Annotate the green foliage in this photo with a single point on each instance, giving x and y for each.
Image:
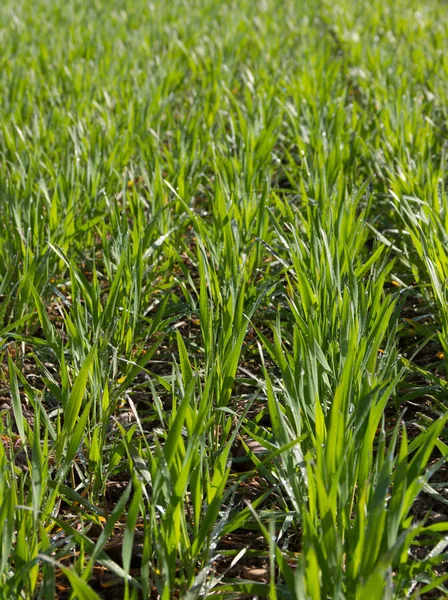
(225, 225)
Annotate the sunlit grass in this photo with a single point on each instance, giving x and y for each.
(223, 306)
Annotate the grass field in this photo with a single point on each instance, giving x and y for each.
(223, 299)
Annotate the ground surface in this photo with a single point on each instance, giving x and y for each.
(223, 302)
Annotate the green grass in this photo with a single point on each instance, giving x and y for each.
(223, 225)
